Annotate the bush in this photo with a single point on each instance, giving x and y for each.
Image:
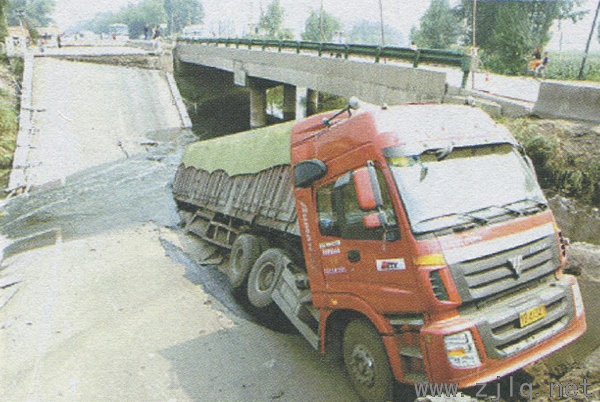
(559, 171)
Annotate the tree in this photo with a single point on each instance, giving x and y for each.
(146, 13)
(136, 16)
(34, 13)
(312, 27)
(270, 24)
(439, 27)
(369, 33)
(3, 9)
(513, 28)
(183, 12)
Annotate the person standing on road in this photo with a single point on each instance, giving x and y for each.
(156, 32)
(540, 69)
(537, 59)
(338, 39)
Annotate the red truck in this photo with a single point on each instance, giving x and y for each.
(413, 242)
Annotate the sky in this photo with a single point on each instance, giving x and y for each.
(401, 14)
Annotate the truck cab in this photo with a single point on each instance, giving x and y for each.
(430, 248)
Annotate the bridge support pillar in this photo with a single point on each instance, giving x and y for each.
(307, 102)
(300, 103)
(289, 102)
(258, 105)
(312, 102)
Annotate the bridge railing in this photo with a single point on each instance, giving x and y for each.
(415, 56)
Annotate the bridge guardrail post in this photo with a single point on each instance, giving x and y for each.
(466, 64)
(416, 58)
(377, 54)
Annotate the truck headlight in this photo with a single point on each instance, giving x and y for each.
(577, 299)
(461, 350)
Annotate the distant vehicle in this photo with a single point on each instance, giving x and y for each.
(118, 31)
(193, 31)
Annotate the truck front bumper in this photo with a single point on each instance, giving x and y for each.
(504, 337)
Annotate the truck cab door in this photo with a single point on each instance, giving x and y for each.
(359, 242)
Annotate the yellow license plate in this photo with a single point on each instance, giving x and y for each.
(532, 315)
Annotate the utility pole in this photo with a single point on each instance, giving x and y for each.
(321, 24)
(474, 52)
(382, 25)
(474, 23)
(587, 46)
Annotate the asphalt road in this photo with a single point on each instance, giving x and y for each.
(107, 305)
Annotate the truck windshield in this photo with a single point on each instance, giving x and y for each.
(459, 188)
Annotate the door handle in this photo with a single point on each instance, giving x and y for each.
(354, 256)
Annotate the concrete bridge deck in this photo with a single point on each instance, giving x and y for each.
(390, 81)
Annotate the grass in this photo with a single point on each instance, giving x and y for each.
(566, 66)
(565, 156)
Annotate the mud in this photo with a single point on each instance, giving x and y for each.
(580, 223)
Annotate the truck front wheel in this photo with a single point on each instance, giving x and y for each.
(264, 275)
(245, 251)
(367, 363)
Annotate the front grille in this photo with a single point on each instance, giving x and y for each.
(488, 269)
(501, 278)
(500, 327)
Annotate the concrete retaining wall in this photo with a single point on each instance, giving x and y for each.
(568, 101)
(373, 83)
(18, 174)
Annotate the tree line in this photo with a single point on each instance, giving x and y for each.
(27, 13)
(175, 14)
(505, 32)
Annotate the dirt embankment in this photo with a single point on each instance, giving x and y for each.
(566, 155)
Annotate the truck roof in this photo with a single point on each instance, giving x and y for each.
(418, 126)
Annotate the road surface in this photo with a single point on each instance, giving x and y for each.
(105, 305)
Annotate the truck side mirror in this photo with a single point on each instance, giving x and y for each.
(372, 221)
(309, 171)
(367, 188)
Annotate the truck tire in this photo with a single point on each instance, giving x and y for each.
(245, 251)
(264, 275)
(367, 363)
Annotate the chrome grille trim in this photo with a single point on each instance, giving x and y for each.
(499, 325)
(499, 271)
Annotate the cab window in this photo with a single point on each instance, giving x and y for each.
(339, 213)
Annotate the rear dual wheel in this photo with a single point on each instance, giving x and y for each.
(245, 251)
(264, 276)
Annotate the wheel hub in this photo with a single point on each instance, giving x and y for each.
(266, 277)
(363, 366)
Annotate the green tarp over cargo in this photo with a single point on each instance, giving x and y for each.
(242, 153)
